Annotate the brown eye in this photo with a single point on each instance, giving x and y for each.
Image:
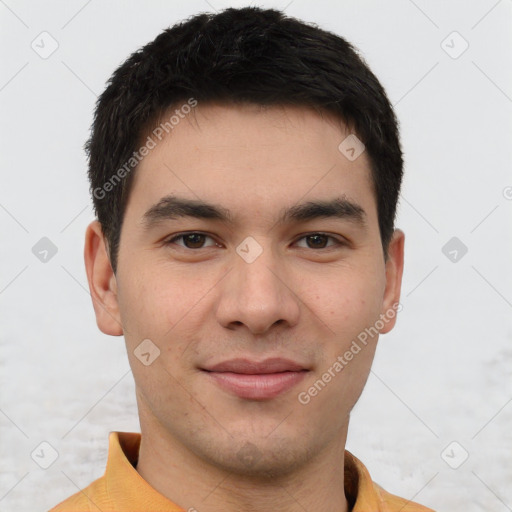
(317, 241)
(194, 240)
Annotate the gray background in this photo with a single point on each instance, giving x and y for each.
(441, 376)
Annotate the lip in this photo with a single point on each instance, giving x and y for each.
(248, 367)
(255, 380)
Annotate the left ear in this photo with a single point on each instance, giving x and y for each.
(394, 271)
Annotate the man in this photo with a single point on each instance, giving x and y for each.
(245, 169)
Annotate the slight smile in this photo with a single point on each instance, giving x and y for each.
(256, 380)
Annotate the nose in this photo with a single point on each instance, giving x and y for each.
(258, 295)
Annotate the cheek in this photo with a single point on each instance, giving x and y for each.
(348, 305)
(153, 302)
(140, 299)
(169, 309)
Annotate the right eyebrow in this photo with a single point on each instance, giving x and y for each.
(172, 207)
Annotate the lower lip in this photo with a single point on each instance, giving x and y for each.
(257, 387)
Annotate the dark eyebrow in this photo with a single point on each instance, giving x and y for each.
(339, 207)
(171, 207)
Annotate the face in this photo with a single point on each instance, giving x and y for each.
(250, 257)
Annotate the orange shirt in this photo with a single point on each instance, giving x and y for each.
(122, 489)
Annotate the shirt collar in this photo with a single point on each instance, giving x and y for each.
(129, 491)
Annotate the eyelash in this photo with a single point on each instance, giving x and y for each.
(181, 236)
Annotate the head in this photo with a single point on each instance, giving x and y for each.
(233, 224)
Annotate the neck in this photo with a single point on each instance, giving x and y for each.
(197, 485)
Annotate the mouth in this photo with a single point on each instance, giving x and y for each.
(255, 380)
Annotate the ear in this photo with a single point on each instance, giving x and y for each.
(102, 281)
(394, 271)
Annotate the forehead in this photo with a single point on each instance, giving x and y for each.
(252, 158)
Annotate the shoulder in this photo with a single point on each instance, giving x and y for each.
(392, 503)
(90, 499)
(367, 496)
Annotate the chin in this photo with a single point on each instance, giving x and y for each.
(262, 459)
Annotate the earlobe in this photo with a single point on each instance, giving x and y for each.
(102, 281)
(394, 272)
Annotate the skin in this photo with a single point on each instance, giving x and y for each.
(205, 305)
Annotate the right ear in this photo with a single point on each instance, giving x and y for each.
(102, 281)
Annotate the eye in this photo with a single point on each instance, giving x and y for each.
(192, 240)
(318, 241)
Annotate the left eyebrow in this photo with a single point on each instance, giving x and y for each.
(340, 208)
